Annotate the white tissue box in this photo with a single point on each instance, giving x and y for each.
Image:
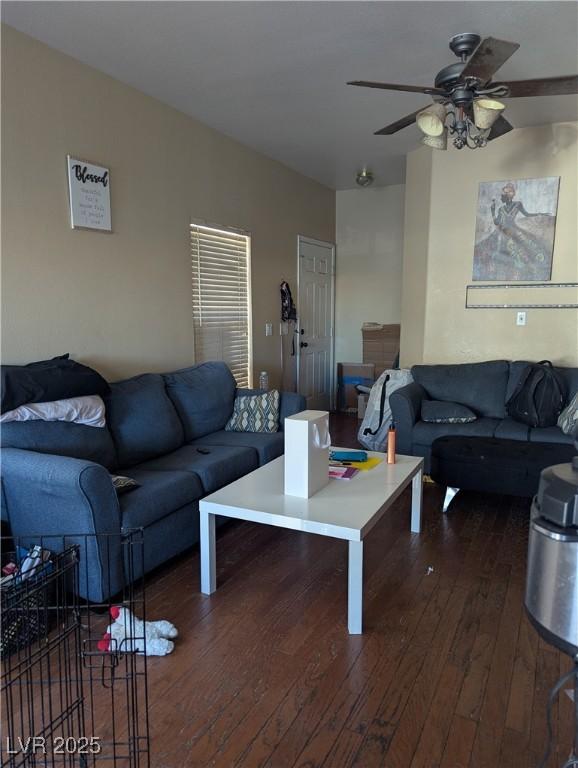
(307, 443)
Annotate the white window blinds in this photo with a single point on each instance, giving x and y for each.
(222, 299)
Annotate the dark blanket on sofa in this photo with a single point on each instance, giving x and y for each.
(48, 380)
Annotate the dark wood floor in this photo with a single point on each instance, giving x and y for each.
(447, 673)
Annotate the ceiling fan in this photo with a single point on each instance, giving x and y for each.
(465, 96)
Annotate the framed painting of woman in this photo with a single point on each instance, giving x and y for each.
(515, 225)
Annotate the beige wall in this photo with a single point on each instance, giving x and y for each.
(369, 235)
(415, 254)
(122, 301)
(441, 197)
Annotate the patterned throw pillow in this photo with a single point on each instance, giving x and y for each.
(123, 484)
(440, 412)
(568, 419)
(255, 413)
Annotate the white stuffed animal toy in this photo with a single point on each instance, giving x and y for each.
(129, 633)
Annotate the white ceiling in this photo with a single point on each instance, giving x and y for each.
(272, 74)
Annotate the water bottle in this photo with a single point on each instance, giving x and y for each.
(264, 381)
(391, 444)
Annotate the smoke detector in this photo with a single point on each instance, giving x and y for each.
(364, 178)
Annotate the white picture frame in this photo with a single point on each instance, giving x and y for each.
(89, 195)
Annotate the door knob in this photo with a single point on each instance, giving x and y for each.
(303, 344)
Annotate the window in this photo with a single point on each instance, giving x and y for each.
(222, 298)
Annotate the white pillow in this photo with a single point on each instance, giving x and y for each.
(87, 410)
(568, 419)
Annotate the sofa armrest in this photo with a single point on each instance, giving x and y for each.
(405, 406)
(289, 403)
(67, 501)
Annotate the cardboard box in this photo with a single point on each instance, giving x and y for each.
(362, 405)
(380, 345)
(349, 375)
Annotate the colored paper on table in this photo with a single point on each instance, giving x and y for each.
(343, 473)
(371, 462)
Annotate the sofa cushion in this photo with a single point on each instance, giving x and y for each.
(159, 494)
(203, 396)
(268, 446)
(480, 386)
(424, 434)
(508, 429)
(142, 419)
(220, 466)
(440, 412)
(62, 438)
(550, 435)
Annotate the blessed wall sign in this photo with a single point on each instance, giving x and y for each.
(89, 194)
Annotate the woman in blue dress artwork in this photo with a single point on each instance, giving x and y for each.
(511, 251)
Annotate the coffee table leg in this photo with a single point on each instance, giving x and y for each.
(416, 502)
(208, 553)
(355, 588)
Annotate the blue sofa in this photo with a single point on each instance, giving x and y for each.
(483, 387)
(56, 476)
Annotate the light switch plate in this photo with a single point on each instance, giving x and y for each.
(268, 329)
(521, 318)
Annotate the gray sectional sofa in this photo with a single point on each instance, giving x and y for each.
(484, 388)
(56, 476)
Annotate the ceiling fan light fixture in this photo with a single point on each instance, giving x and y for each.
(437, 142)
(364, 178)
(431, 121)
(469, 84)
(486, 112)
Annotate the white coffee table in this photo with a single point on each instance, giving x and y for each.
(344, 509)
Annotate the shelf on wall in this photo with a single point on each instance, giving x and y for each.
(522, 296)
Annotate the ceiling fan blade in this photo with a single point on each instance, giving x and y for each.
(499, 128)
(403, 122)
(488, 57)
(394, 87)
(547, 86)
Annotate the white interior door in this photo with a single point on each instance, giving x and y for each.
(315, 322)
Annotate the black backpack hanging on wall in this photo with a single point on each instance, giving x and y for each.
(539, 396)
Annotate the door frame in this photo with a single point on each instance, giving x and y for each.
(325, 243)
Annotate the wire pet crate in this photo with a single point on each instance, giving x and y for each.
(70, 695)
